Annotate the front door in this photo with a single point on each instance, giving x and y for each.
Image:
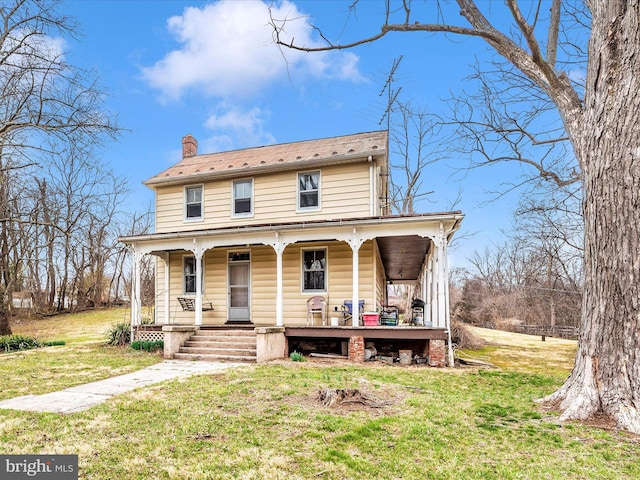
(239, 286)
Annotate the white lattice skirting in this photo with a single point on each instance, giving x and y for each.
(149, 336)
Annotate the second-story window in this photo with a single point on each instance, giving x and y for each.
(242, 198)
(309, 191)
(193, 203)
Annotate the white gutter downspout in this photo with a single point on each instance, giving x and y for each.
(372, 187)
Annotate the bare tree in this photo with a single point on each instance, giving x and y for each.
(600, 117)
(43, 97)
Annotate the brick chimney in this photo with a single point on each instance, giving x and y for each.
(189, 146)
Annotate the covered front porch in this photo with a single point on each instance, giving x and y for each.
(383, 250)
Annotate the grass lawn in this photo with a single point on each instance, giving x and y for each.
(264, 421)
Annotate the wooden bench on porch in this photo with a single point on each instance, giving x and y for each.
(189, 304)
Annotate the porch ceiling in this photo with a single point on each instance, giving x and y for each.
(403, 256)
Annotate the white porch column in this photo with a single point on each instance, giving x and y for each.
(434, 286)
(136, 301)
(167, 292)
(425, 279)
(428, 288)
(442, 280)
(355, 299)
(355, 242)
(443, 292)
(279, 246)
(197, 252)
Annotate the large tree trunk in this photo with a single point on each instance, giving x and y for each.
(606, 376)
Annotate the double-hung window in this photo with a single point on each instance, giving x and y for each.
(193, 203)
(314, 270)
(309, 190)
(242, 198)
(189, 269)
(189, 275)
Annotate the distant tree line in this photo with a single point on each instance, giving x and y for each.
(60, 207)
(532, 282)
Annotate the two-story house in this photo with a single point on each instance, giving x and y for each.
(248, 237)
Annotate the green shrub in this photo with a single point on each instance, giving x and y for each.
(10, 343)
(54, 343)
(119, 334)
(148, 346)
(296, 357)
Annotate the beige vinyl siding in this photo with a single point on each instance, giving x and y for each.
(214, 291)
(263, 283)
(344, 193)
(339, 278)
(159, 285)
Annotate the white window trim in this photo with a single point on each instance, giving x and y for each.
(183, 279)
(326, 270)
(300, 209)
(233, 198)
(193, 219)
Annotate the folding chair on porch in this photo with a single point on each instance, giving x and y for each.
(347, 310)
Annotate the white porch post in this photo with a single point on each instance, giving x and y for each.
(434, 286)
(278, 246)
(197, 251)
(442, 280)
(355, 305)
(136, 301)
(425, 279)
(428, 288)
(443, 292)
(355, 242)
(167, 292)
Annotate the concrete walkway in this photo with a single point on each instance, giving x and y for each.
(83, 397)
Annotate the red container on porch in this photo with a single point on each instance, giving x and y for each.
(370, 318)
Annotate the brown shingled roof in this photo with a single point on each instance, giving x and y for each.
(305, 154)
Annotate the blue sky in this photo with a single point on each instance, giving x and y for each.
(210, 69)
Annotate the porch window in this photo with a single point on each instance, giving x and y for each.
(314, 270)
(189, 269)
(189, 274)
(309, 190)
(242, 198)
(193, 202)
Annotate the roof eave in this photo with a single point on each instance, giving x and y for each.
(455, 216)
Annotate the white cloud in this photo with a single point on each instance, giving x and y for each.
(227, 49)
(236, 128)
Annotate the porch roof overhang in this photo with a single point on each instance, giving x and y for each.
(403, 241)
